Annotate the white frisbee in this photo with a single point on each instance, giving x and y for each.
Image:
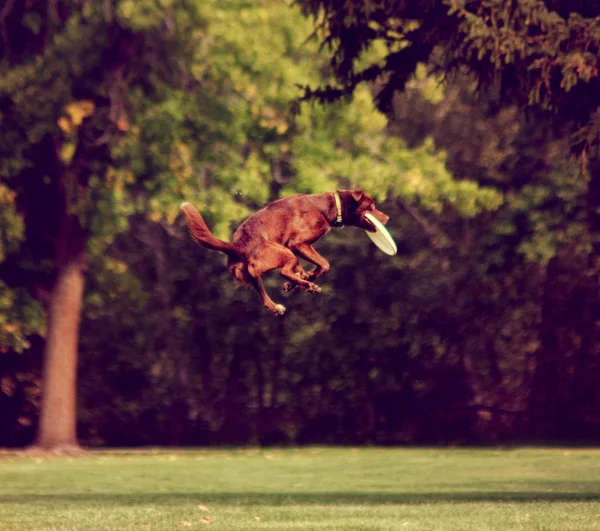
(382, 238)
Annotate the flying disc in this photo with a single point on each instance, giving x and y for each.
(381, 237)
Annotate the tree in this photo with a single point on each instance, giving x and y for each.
(71, 72)
(265, 56)
(104, 118)
(437, 345)
(541, 55)
(121, 109)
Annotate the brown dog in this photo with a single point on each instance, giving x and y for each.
(276, 236)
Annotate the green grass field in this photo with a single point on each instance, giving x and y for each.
(307, 488)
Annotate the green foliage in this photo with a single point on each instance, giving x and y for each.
(123, 110)
(535, 54)
(166, 141)
(20, 317)
(351, 147)
(556, 215)
(188, 100)
(11, 230)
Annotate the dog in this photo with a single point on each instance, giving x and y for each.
(281, 233)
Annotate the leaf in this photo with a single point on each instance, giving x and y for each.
(65, 124)
(123, 124)
(79, 110)
(67, 151)
(185, 523)
(203, 508)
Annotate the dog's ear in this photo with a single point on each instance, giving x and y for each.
(357, 195)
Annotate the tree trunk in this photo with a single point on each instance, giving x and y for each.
(57, 428)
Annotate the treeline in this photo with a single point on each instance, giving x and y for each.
(478, 331)
(483, 329)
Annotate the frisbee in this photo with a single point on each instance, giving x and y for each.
(381, 237)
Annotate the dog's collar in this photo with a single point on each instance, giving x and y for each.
(338, 207)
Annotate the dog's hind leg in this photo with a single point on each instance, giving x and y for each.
(268, 257)
(277, 309)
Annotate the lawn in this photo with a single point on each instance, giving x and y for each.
(305, 488)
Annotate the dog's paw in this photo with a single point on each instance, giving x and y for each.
(313, 288)
(288, 286)
(279, 309)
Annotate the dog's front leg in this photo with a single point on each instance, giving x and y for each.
(301, 274)
(308, 253)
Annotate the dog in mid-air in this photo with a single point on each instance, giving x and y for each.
(281, 233)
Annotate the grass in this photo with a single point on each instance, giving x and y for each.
(308, 488)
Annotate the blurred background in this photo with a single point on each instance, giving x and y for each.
(117, 330)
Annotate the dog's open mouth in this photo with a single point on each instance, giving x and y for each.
(368, 225)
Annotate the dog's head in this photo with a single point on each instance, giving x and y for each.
(355, 205)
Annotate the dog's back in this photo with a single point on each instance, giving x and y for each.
(288, 221)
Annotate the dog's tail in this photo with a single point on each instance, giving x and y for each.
(201, 233)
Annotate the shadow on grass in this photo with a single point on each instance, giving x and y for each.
(299, 498)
